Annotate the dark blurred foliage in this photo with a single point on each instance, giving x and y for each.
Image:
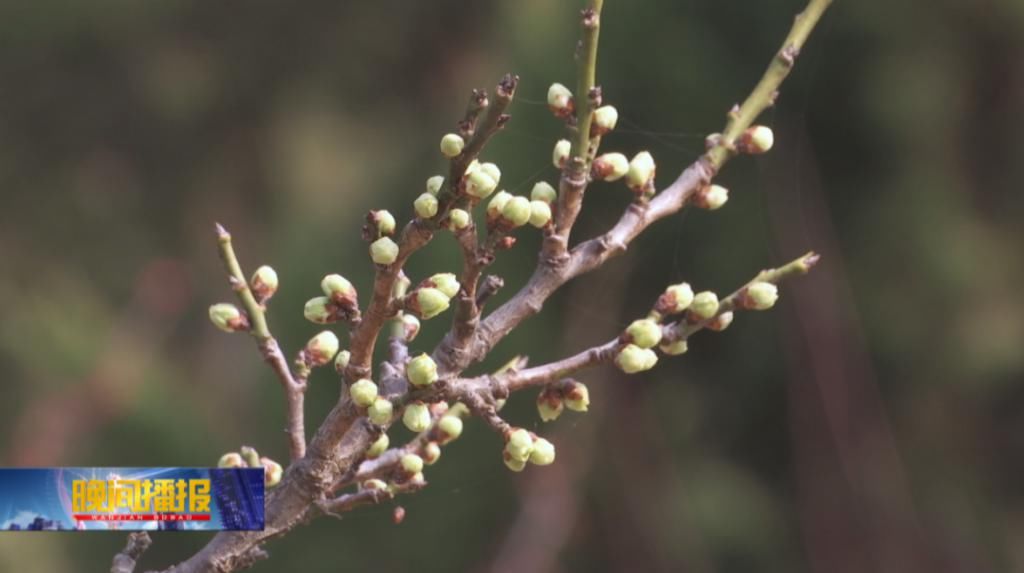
(873, 422)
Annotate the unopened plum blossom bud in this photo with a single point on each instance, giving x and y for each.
(410, 327)
(228, 318)
(543, 453)
(263, 283)
(497, 203)
(720, 322)
(272, 472)
(492, 171)
(384, 251)
(341, 361)
(610, 167)
(675, 299)
(517, 211)
(674, 348)
(321, 348)
(374, 484)
(704, 305)
(641, 171)
(760, 296)
(560, 154)
(430, 302)
(560, 100)
(451, 145)
(512, 463)
(416, 417)
(401, 285)
(644, 333)
(338, 289)
(633, 359)
(434, 184)
(411, 464)
(316, 310)
(605, 118)
(380, 411)
(711, 197)
(519, 444)
(251, 456)
(458, 219)
(543, 191)
(231, 460)
(378, 447)
(444, 282)
(383, 221)
(363, 392)
(549, 405)
(755, 139)
(425, 206)
(431, 453)
(480, 184)
(540, 213)
(449, 428)
(577, 398)
(421, 370)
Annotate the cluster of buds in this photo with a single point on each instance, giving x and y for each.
(560, 101)
(506, 211)
(432, 296)
(340, 301)
(711, 197)
(247, 457)
(554, 398)
(228, 317)
(481, 179)
(522, 446)
(640, 177)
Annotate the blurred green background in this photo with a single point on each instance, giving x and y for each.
(873, 422)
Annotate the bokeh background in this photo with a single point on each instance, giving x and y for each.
(873, 422)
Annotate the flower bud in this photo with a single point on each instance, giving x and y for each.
(458, 219)
(341, 361)
(755, 139)
(374, 484)
(540, 213)
(272, 472)
(577, 398)
(480, 184)
(434, 184)
(449, 427)
(421, 370)
(431, 453)
(383, 221)
(416, 417)
(605, 118)
(519, 444)
(704, 305)
(513, 463)
(517, 211)
(760, 296)
(316, 310)
(561, 152)
(543, 191)
(711, 197)
(644, 333)
(321, 348)
(411, 464)
(720, 322)
(378, 447)
(363, 392)
(549, 405)
(675, 299)
(560, 100)
(231, 460)
(444, 282)
(674, 348)
(641, 171)
(401, 285)
(492, 171)
(228, 318)
(497, 203)
(451, 145)
(543, 453)
(430, 302)
(384, 251)
(339, 289)
(473, 166)
(610, 167)
(425, 206)
(251, 456)
(410, 327)
(263, 283)
(633, 359)
(380, 411)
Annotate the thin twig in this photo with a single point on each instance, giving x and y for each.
(124, 562)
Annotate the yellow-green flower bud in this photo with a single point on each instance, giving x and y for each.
(341, 361)
(641, 171)
(711, 197)
(512, 463)
(633, 359)
(251, 456)
(610, 167)
(644, 333)
(228, 318)
(480, 184)
(380, 411)
(449, 427)
(760, 296)
(317, 311)
(321, 348)
(263, 283)
(543, 191)
(431, 453)
(374, 484)
(458, 219)
(363, 392)
(497, 203)
(549, 405)
(675, 299)
(383, 251)
(540, 214)
(605, 118)
(272, 472)
(674, 348)
(720, 322)
(425, 206)
(543, 453)
(410, 327)
(378, 447)
(339, 289)
(421, 370)
(516, 211)
(492, 171)
(430, 302)
(446, 283)
(434, 184)
(519, 444)
(411, 464)
(577, 398)
(560, 100)
(756, 139)
(416, 417)
(704, 305)
(561, 152)
(451, 145)
(384, 221)
(231, 460)
(473, 166)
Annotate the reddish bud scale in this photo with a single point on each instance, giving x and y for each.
(506, 243)
(398, 515)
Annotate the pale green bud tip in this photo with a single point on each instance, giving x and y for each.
(577, 398)
(341, 360)
(374, 484)
(610, 167)
(250, 455)
(513, 463)
(712, 197)
(410, 327)
(322, 348)
(231, 460)
(549, 406)
(384, 221)
(264, 282)
(446, 283)
(425, 205)
(644, 333)
(451, 145)
(540, 213)
(316, 310)
(431, 453)
(412, 464)
(227, 317)
(434, 184)
(704, 305)
(756, 139)
(561, 153)
(497, 203)
(450, 427)
(380, 411)
(416, 417)
(383, 251)
(431, 302)
(633, 359)
(560, 100)
(543, 191)
(338, 288)
(479, 183)
(674, 348)
(492, 171)
(458, 219)
(543, 453)
(272, 472)
(641, 171)
(517, 211)
(676, 299)
(761, 296)
(421, 370)
(605, 118)
(378, 447)
(519, 444)
(721, 322)
(363, 392)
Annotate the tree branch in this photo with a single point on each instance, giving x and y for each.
(124, 562)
